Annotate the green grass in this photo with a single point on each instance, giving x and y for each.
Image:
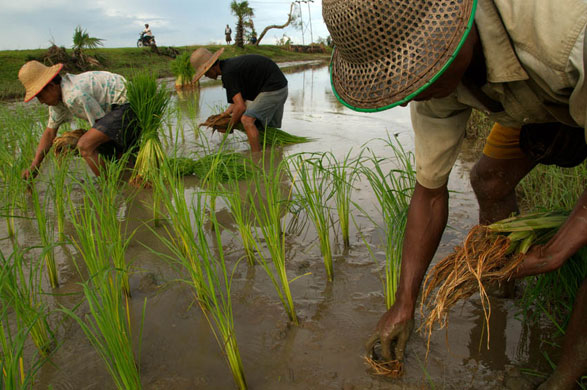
(126, 61)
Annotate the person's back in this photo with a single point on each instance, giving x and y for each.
(250, 75)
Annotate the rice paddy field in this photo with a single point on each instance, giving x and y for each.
(265, 274)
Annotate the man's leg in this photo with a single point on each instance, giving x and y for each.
(573, 362)
(88, 145)
(494, 182)
(252, 132)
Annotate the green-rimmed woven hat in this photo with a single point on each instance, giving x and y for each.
(388, 51)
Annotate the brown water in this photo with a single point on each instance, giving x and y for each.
(325, 351)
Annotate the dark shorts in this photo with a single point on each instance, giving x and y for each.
(121, 126)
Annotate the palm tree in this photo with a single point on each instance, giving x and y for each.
(82, 41)
(242, 11)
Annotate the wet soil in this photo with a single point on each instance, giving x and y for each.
(326, 350)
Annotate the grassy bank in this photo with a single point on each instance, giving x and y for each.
(125, 60)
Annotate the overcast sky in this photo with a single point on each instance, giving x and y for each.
(34, 24)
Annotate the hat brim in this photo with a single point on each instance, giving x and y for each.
(358, 91)
(209, 64)
(44, 79)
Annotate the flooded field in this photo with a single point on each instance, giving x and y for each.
(325, 351)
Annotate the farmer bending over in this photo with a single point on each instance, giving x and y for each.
(98, 97)
(520, 62)
(255, 88)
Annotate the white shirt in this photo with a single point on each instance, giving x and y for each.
(89, 96)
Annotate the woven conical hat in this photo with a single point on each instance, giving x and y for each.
(388, 51)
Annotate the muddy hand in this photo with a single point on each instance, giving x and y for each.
(398, 333)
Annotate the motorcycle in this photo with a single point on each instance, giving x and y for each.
(146, 40)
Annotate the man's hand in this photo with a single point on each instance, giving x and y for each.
(393, 331)
(30, 173)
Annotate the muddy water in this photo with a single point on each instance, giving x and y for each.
(325, 350)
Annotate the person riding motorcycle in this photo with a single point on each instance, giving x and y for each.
(146, 38)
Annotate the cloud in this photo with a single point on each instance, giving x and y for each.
(32, 24)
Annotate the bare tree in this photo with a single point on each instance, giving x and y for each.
(290, 18)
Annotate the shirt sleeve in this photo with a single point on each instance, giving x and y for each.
(576, 70)
(58, 115)
(439, 127)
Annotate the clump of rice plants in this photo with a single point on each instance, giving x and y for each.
(393, 190)
(207, 269)
(225, 166)
(45, 228)
(488, 254)
(100, 237)
(276, 137)
(269, 202)
(548, 187)
(108, 328)
(149, 102)
(314, 190)
(15, 374)
(102, 246)
(20, 289)
(344, 174)
(236, 198)
(183, 71)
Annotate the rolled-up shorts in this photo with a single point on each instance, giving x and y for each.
(121, 126)
(267, 108)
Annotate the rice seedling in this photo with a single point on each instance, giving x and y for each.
(549, 187)
(149, 102)
(108, 327)
(277, 137)
(314, 190)
(344, 174)
(100, 237)
(237, 203)
(225, 166)
(20, 289)
(393, 190)
(269, 202)
(14, 374)
(183, 71)
(208, 272)
(488, 254)
(45, 228)
(102, 245)
(59, 186)
(271, 136)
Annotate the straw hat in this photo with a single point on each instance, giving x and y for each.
(202, 60)
(386, 52)
(34, 76)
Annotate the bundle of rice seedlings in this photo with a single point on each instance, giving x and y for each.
(226, 166)
(183, 71)
(489, 254)
(270, 135)
(148, 100)
(67, 142)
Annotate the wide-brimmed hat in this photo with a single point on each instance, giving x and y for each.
(202, 60)
(34, 76)
(386, 52)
